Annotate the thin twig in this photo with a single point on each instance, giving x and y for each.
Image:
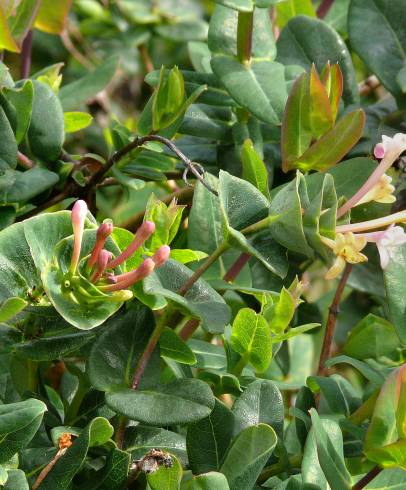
(26, 52)
(203, 268)
(149, 349)
(73, 189)
(332, 320)
(367, 478)
(189, 329)
(64, 444)
(145, 58)
(324, 7)
(237, 267)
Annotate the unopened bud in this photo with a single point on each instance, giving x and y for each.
(103, 232)
(129, 278)
(78, 216)
(143, 233)
(102, 261)
(161, 255)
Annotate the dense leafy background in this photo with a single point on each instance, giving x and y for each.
(232, 390)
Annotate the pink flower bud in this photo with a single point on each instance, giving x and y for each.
(379, 151)
(161, 255)
(129, 278)
(143, 233)
(78, 216)
(102, 261)
(103, 232)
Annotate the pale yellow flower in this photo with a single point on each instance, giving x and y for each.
(346, 247)
(381, 192)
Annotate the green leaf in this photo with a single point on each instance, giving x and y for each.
(114, 475)
(291, 8)
(249, 85)
(76, 93)
(394, 276)
(253, 168)
(372, 337)
(242, 203)
(209, 356)
(295, 136)
(201, 300)
(251, 338)
(96, 433)
(116, 352)
(46, 131)
(11, 307)
(16, 480)
(312, 470)
(386, 435)
(75, 121)
(334, 145)
(166, 478)
(23, 19)
(207, 481)
(51, 346)
(287, 206)
(21, 98)
(6, 39)
(304, 41)
(369, 372)
(8, 144)
(260, 403)
(240, 5)
(18, 424)
(168, 99)
(52, 18)
(208, 439)
(185, 255)
(248, 455)
(180, 402)
(330, 456)
(282, 312)
(383, 20)
(23, 186)
(401, 79)
(172, 346)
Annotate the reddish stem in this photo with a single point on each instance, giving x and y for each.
(26, 51)
(367, 478)
(189, 329)
(332, 320)
(324, 7)
(237, 267)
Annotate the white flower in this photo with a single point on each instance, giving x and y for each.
(396, 145)
(386, 241)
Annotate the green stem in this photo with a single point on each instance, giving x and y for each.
(260, 225)
(237, 370)
(244, 36)
(280, 467)
(120, 431)
(203, 268)
(32, 379)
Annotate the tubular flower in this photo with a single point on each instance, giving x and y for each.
(103, 232)
(386, 241)
(381, 192)
(389, 151)
(98, 268)
(143, 233)
(347, 248)
(79, 212)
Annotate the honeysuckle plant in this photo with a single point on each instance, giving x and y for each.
(202, 245)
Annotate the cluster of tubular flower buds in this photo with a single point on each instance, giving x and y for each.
(101, 263)
(352, 238)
